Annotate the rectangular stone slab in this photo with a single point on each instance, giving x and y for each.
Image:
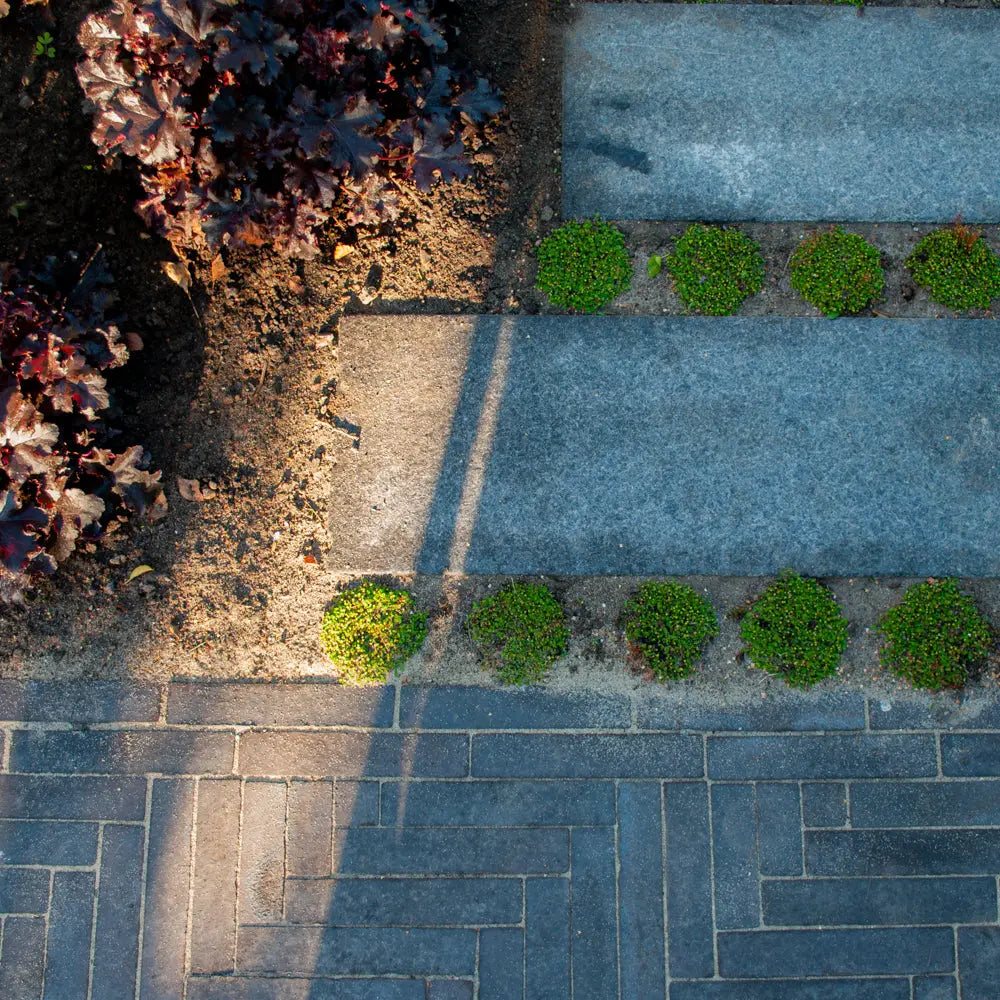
(611, 444)
(728, 112)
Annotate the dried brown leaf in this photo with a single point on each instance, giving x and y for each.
(177, 273)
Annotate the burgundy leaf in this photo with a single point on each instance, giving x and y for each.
(432, 155)
(20, 529)
(26, 441)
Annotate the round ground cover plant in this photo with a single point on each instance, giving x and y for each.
(371, 631)
(935, 637)
(837, 272)
(957, 267)
(715, 269)
(670, 624)
(584, 265)
(795, 630)
(520, 631)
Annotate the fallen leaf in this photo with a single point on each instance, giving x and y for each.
(218, 271)
(177, 273)
(297, 285)
(190, 489)
(139, 571)
(134, 341)
(310, 560)
(342, 250)
(655, 265)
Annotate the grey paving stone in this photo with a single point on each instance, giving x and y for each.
(310, 828)
(878, 951)
(780, 829)
(978, 961)
(780, 713)
(825, 803)
(31, 796)
(119, 901)
(902, 852)
(498, 803)
(424, 902)
(765, 758)
(360, 951)
(689, 881)
(255, 988)
(67, 952)
(22, 963)
(175, 751)
(213, 902)
(640, 888)
(902, 495)
(925, 804)
(546, 940)
(938, 711)
(736, 875)
(450, 989)
(47, 842)
(286, 704)
(345, 754)
(594, 914)
(971, 756)
(356, 803)
(262, 853)
(545, 755)
(501, 963)
(24, 890)
(860, 901)
(165, 912)
(84, 701)
(935, 988)
(759, 125)
(462, 851)
(792, 989)
(468, 707)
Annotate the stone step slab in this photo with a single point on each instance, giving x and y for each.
(769, 113)
(675, 445)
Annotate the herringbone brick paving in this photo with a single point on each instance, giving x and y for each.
(307, 841)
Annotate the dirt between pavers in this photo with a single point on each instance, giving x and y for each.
(244, 398)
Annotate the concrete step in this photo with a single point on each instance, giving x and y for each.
(729, 112)
(676, 445)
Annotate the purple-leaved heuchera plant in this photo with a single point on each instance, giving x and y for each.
(260, 121)
(61, 481)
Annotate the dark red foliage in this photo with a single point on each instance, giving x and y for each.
(259, 121)
(58, 481)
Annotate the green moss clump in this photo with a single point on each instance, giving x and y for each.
(670, 624)
(371, 631)
(837, 272)
(795, 629)
(957, 267)
(715, 269)
(520, 631)
(584, 265)
(935, 636)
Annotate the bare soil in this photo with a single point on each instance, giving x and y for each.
(238, 388)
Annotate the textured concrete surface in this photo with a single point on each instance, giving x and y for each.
(735, 862)
(733, 112)
(593, 445)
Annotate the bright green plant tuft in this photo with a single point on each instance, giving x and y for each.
(584, 265)
(372, 631)
(935, 636)
(670, 624)
(795, 630)
(520, 631)
(958, 267)
(837, 272)
(715, 269)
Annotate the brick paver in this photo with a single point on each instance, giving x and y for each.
(469, 844)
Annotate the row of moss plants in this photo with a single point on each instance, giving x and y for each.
(584, 266)
(936, 638)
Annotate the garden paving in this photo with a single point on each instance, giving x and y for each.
(544, 845)
(676, 445)
(750, 112)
